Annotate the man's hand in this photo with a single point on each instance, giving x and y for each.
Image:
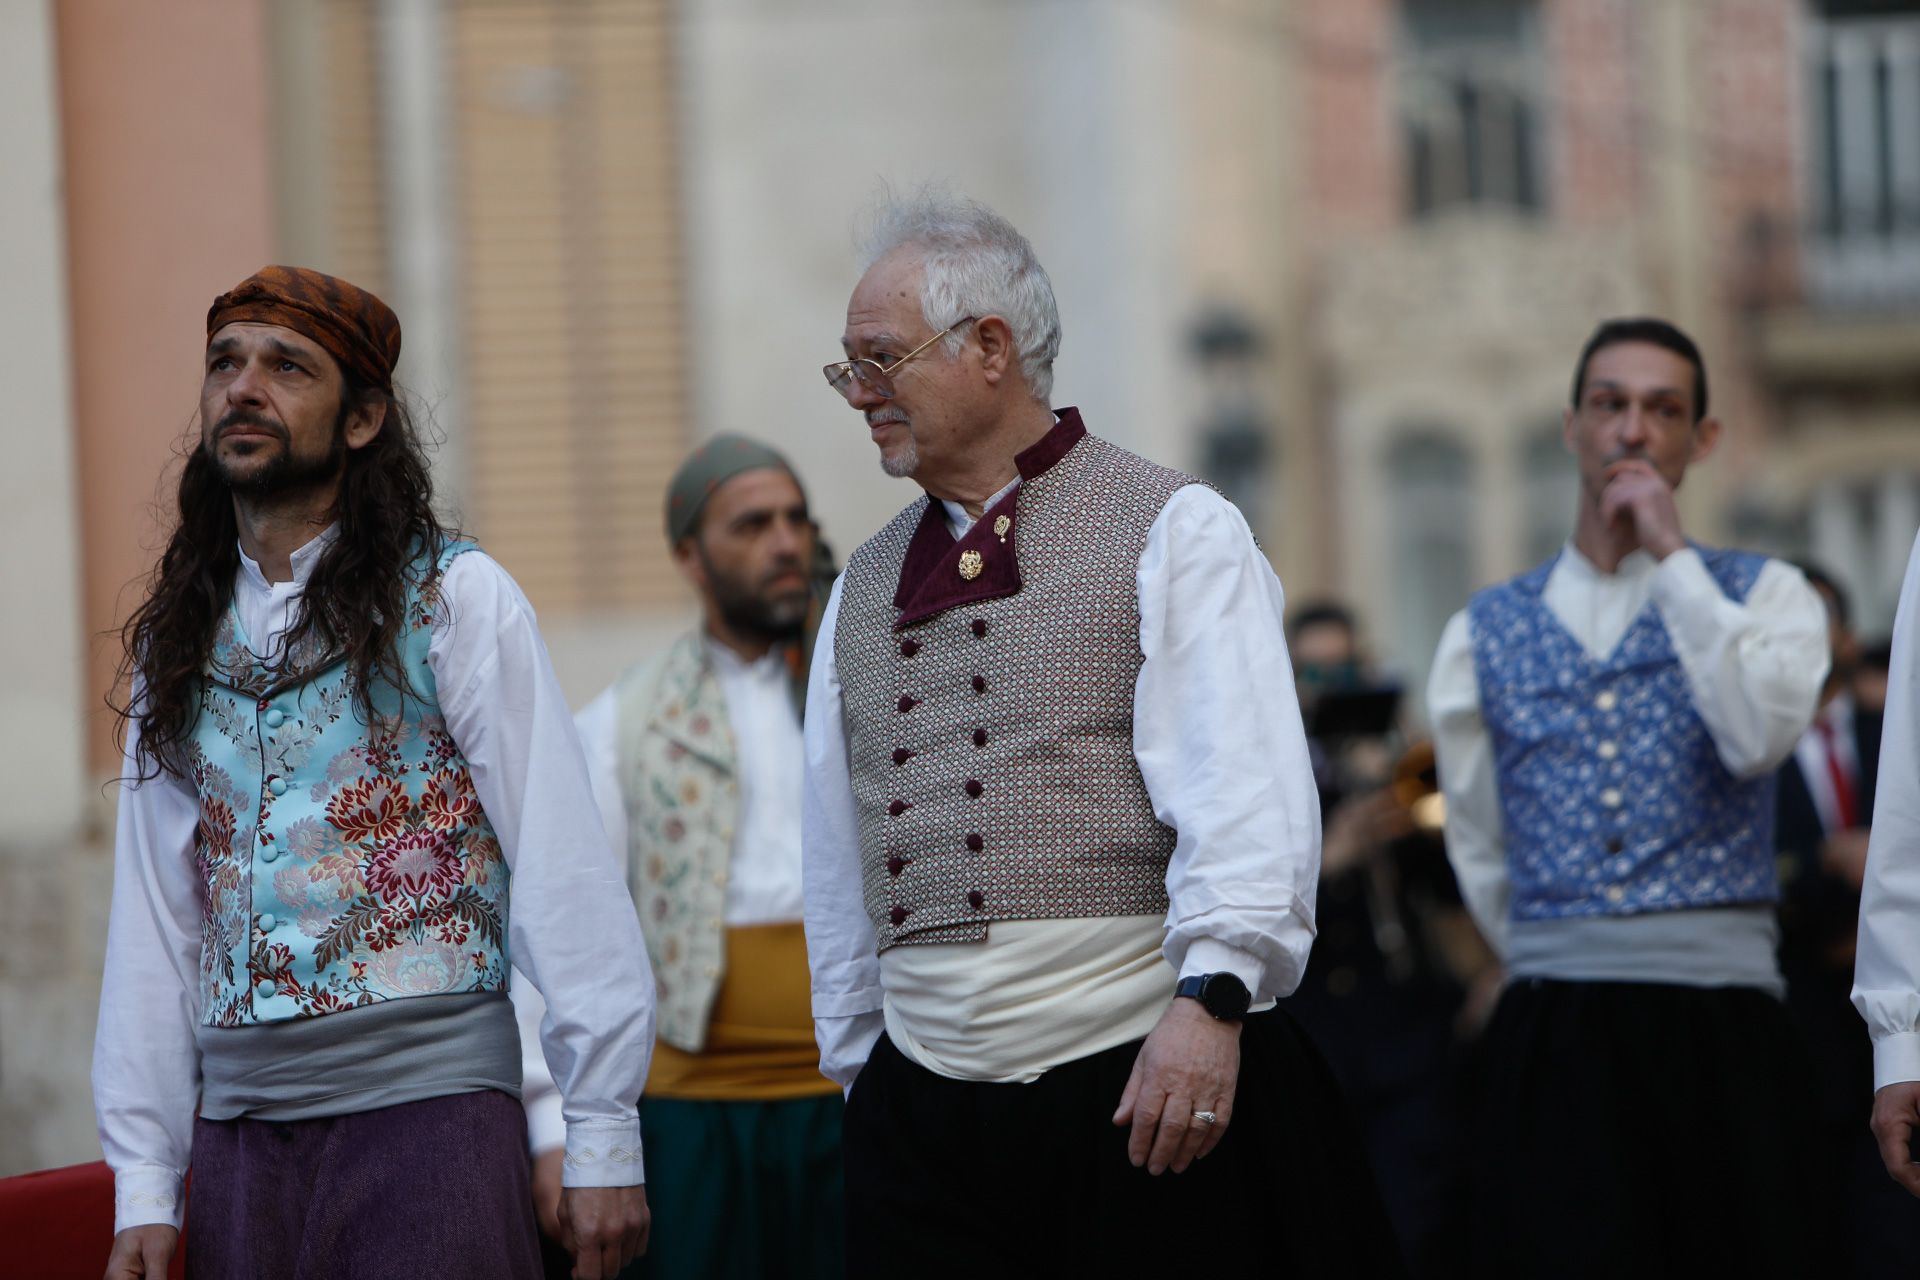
(1190, 1063)
(547, 1167)
(142, 1253)
(1896, 1109)
(604, 1228)
(1638, 494)
(1844, 856)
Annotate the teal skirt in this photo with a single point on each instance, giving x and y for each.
(743, 1189)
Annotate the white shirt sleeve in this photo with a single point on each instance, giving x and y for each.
(1463, 750)
(146, 1067)
(1886, 973)
(598, 724)
(842, 950)
(1220, 745)
(572, 929)
(1755, 667)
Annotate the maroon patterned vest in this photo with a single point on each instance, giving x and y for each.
(988, 694)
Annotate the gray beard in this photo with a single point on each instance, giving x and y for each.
(904, 463)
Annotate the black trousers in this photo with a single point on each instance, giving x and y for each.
(956, 1177)
(1644, 1130)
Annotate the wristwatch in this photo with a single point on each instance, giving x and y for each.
(1221, 994)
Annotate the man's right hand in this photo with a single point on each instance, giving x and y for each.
(604, 1228)
(1896, 1110)
(142, 1253)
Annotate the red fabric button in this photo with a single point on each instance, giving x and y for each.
(979, 737)
(896, 864)
(976, 899)
(909, 647)
(898, 915)
(902, 755)
(979, 684)
(975, 843)
(980, 626)
(907, 703)
(974, 788)
(898, 807)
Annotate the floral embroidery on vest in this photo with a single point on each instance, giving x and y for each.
(364, 868)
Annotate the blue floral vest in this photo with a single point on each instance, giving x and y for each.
(1614, 798)
(343, 864)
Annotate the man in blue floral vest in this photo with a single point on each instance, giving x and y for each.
(353, 796)
(1608, 726)
(696, 760)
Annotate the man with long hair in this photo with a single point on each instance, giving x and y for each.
(344, 741)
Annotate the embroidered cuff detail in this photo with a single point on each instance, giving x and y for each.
(603, 1155)
(142, 1197)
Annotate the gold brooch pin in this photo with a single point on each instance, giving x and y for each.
(971, 563)
(1001, 526)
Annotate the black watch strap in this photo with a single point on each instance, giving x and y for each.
(1222, 995)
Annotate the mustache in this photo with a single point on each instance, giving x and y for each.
(880, 417)
(247, 418)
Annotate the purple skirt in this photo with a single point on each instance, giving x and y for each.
(421, 1190)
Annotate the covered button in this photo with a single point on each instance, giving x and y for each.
(275, 718)
(974, 788)
(976, 899)
(898, 807)
(979, 737)
(898, 915)
(909, 647)
(278, 786)
(979, 684)
(901, 755)
(896, 864)
(907, 703)
(975, 843)
(979, 626)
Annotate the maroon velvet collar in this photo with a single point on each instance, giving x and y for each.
(930, 578)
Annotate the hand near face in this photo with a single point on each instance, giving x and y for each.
(1637, 495)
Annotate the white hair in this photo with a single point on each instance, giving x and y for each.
(976, 264)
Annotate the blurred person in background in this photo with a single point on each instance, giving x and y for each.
(1869, 686)
(1384, 994)
(696, 761)
(1826, 811)
(1061, 839)
(1886, 980)
(1608, 728)
(344, 742)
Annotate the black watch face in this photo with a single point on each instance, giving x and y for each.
(1225, 996)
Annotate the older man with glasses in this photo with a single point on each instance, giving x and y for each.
(1060, 832)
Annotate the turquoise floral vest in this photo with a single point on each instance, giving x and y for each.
(343, 864)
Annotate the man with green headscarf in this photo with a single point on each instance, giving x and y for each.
(696, 762)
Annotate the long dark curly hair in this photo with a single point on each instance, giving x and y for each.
(354, 602)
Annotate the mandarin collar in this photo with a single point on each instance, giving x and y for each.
(302, 560)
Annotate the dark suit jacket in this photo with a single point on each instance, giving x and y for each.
(1817, 909)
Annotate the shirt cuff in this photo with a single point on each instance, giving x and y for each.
(603, 1153)
(1687, 595)
(1896, 1058)
(546, 1123)
(1204, 955)
(146, 1196)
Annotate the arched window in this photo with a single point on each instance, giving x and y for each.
(1430, 478)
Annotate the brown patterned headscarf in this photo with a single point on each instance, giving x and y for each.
(350, 324)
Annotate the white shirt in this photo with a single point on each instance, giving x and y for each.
(1886, 967)
(571, 924)
(1218, 739)
(763, 877)
(1754, 670)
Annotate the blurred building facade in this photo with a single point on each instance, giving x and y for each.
(1336, 254)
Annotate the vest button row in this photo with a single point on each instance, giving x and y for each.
(907, 703)
(979, 684)
(1607, 700)
(979, 737)
(899, 916)
(264, 989)
(269, 922)
(896, 864)
(976, 899)
(909, 647)
(974, 788)
(277, 785)
(269, 853)
(975, 842)
(1612, 798)
(1608, 750)
(897, 808)
(901, 755)
(980, 626)
(275, 718)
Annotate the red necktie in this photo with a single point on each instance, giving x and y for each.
(1842, 785)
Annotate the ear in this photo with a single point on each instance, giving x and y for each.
(365, 422)
(1706, 434)
(686, 558)
(998, 359)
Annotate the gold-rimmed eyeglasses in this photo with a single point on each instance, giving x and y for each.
(877, 377)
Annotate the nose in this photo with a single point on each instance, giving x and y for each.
(789, 538)
(247, 387)
(863, 397)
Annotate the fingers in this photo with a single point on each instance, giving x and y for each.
(1146, 1123)
(1123, 1115)
(1894, 1134)
(1176, 1118)
(1191, 1139)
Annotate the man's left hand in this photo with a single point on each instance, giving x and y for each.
(604, 1228)
(1637, 493)
(1191, 1062)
